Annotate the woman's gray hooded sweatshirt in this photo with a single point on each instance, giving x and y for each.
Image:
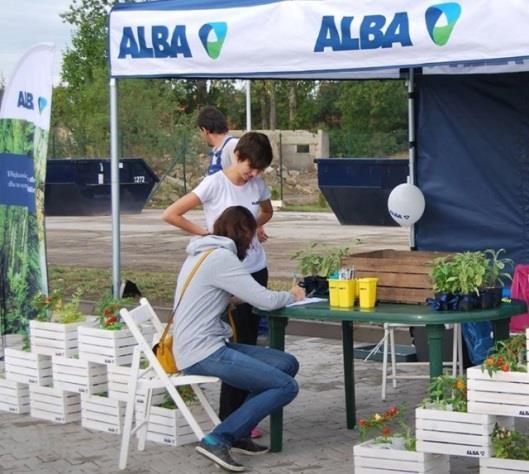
(198, 329)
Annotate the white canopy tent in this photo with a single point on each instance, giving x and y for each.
(308, 39)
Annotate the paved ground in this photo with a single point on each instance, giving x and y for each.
(147, 242)
(315, 438)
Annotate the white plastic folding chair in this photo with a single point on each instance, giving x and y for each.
(388, 342)
(154, 376)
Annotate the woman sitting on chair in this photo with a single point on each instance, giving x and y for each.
(201, 337)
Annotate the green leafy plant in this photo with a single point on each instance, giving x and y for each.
(52, 308)
(107, 309)
(187, 394)
(384, 425)
(447, 393)
(507, 356)
(44, 305)
(313, 263)
(510, 444)
(468, 271)
(498, 268)
(442, 275)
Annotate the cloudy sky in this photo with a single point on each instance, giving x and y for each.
(24, 23)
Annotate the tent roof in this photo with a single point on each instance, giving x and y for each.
(315, 39)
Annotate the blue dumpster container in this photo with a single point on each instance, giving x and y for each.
(81, 187)
(357, 189)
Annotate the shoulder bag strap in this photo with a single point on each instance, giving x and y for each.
(186, 284)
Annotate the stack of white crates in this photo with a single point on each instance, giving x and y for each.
(492, 399)
(68, 375)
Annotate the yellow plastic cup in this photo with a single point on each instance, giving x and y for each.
(346, 293)
(367, 292)
(334, 297)
(355, 284)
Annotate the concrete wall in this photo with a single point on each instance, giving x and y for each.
(297, 148)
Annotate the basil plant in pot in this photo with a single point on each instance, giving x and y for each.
(316, 267)
(499, 271)
(457, 281)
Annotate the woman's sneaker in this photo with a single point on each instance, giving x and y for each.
(248, 447)
(220, 455)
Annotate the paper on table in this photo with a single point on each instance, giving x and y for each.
(306, 301)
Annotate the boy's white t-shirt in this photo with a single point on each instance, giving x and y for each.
(217, 192)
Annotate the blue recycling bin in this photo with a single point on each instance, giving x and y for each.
(357, 189)
(81, 187)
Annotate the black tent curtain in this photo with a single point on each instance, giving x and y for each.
(473, 163)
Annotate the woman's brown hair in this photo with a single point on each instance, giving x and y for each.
(238, 224)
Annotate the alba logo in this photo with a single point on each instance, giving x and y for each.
(42, 103)
(26, 100)
(212, 36)
(440, 21)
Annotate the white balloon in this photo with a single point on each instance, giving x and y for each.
(406, 204)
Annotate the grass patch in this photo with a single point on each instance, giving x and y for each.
(95, 283)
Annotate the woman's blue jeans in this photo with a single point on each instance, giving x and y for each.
(268, 374)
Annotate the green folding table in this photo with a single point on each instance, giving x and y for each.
(413, 315)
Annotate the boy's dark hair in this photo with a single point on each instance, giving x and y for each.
(212, 119)
(255, 147)
(238, 224)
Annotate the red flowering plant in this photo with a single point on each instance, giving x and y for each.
(53, 308)
(108, 312)
(447, 393)
(387, 426)
(44, 305)
(507, 356)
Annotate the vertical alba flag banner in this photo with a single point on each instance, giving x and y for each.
(24, 128)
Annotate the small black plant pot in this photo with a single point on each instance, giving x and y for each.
(490, 298)
(440, 301)
(468, 302)
(498, 295)
(316, 286)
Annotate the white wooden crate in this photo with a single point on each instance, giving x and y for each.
(454, 433)
(102, 414)
(502, 466)
(168, 426)
(375, 458)
(118, 386)
(27, 367)
(108, 347)
(505, 393)
(14, 397)
(79, 376)
(53, 404)
(55, 338)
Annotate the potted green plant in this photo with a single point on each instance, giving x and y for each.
(469, 269)
(111, 342)
(443, 280)
(54, 329)
(316, 267)
(444, 412)
(393, 444)
(166, 423)
(499, 385)
(511, 451)
(498, 272)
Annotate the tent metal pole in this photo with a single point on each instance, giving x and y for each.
(114, 183)
(248, 106)
(411, 140)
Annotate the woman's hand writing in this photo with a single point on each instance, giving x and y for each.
(298, 293)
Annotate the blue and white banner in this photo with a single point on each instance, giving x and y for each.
(27, 96)
(24, 128)
(304, 38)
